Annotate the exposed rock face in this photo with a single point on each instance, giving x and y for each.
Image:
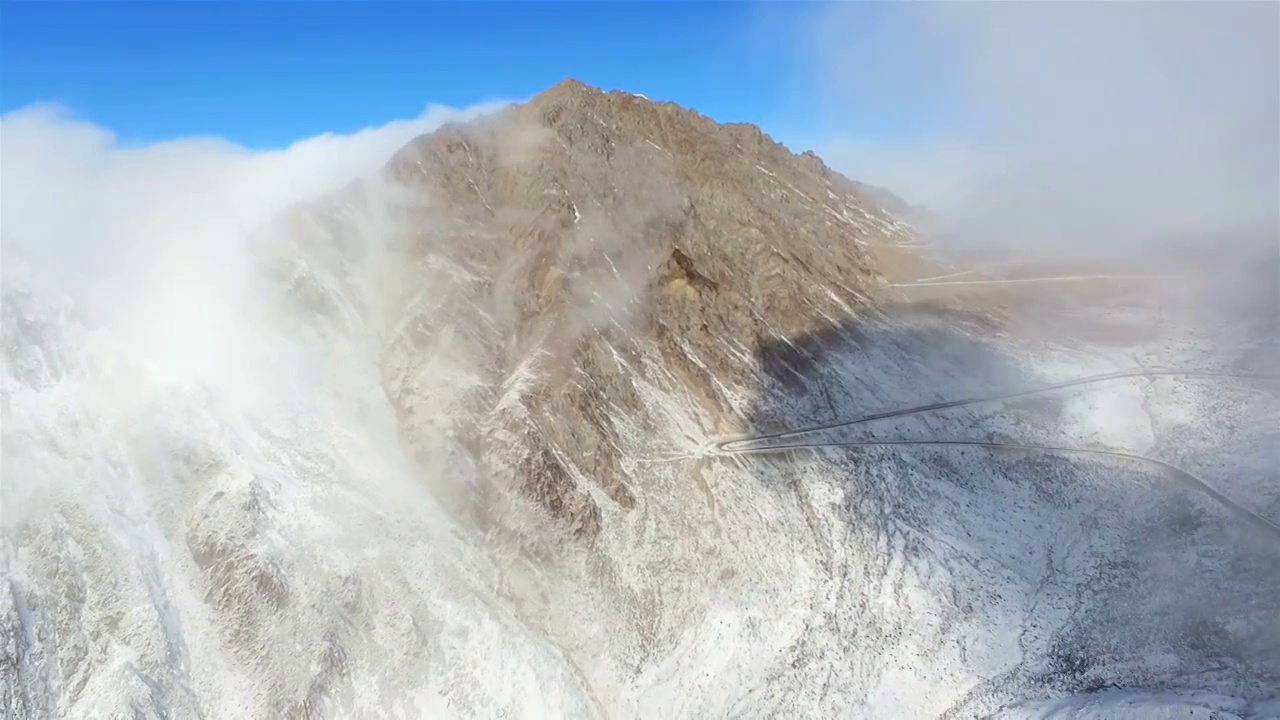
(586, 221)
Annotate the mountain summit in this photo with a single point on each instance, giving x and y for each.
(604, 241)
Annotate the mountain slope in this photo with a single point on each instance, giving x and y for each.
(603, 219)
(458, 449)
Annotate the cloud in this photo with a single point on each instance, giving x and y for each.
(72, 191)
(141, 295)
(932, 171)
(1045, 126)
(157, 240)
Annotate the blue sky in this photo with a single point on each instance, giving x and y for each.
(265, 73)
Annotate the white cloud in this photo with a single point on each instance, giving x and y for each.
(934, 172)
(156, 240)
(1088, 125)
(72, 192)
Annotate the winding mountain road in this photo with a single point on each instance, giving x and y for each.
(762, 444)
(743, 443)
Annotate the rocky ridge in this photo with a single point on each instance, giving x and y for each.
(594, 240)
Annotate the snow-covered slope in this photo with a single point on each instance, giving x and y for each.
(297, 487)
(969, 580)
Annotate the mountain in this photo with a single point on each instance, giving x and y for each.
(595, 407)
(597, 241)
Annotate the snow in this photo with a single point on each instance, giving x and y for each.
(223, 528)
(1137, 705)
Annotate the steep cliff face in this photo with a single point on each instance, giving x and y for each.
(603, 240)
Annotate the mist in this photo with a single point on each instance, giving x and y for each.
(1089, 130)
(80, 204)
(157, 251)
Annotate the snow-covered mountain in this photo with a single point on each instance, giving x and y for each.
(554, 418)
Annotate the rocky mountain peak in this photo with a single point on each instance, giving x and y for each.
(606, 249)
(567, 89)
